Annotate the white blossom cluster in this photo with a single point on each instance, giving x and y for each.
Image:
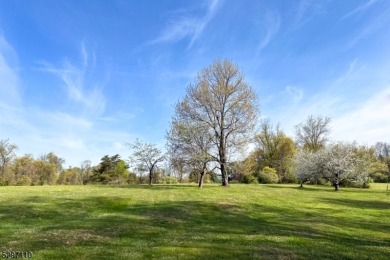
(336, 163)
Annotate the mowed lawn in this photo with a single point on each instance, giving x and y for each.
(183, 222)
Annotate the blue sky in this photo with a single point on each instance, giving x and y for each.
(80, 78)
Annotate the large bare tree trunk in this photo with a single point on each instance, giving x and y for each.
(201, 179)
(150, 176)
(222, 157)
(225, 177)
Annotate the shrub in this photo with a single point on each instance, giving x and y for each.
(143, 179)
(207, 179)
(214, 178)
(194, 176)
(268, 175)
(132, 178)
(356, 184)
(168, 180)
(320, 181)
(249, 179)
(379, 177)
(23, 181)
(290, 177)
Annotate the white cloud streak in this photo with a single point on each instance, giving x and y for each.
(272, 24)
(77, 85)
(9, 80)
(307, 10)
(352, 66)
(371, 27)
(294, 92)
(188, 26)
(360, 9)
(11, 107)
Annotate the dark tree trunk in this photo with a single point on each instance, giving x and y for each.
(222, 157)
(222, 153)
(151, 169)
(201, 179)
(337, 182)
(301, 184)
(225, 177)
(150, 176)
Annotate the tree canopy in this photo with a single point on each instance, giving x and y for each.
(112, 169)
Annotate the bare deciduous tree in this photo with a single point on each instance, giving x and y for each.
(7, 153)
(86, 171)
(190, 143)
(313, 133)
(177, 166)
(226, 104)
(146, 156)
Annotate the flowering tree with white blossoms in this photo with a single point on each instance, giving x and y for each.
(306, 165)
(336, 163)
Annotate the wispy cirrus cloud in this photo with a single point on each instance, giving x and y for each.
(307, 10)
(9, 79)
(294, 92)
(381, 20)
(11, 105)
(272, 23)
(77, 83)
(187, 25)
(352, 66)
(360, 9)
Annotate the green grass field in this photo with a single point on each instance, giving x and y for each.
(183, 222)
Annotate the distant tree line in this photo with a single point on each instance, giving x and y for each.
(312, 158)
(211, 127)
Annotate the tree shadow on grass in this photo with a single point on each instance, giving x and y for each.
(361, 204)
(321, 188)
(159, 186)
(297, 187)
(102, 227)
